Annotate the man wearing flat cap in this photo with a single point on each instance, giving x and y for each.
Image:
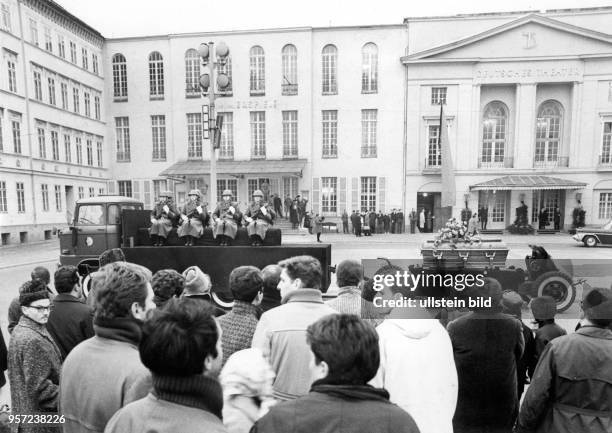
(162, 218)
(571, 390)
(259, 217)
(194, 217)
(226, 218)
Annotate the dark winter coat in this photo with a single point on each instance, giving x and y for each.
(34, 371)
(487, 347)
(3, 360)
(338, 408)
(70, 322)
(571, 390)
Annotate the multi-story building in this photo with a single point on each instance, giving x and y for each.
(528, 103)
(52, 118)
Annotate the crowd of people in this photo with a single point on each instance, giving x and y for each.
(154, 352)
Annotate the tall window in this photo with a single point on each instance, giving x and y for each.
(73, 53)
(194, 135)
(260, 183)
(100, 154)
(64, 91)
(3, 202)
(290, 134)
(192, 73)
(85, 58)
(434, 153)
(20, 198)
(48, 43)
(289, 79)
(329, 61)
(55, 153)
(94, 64)
(368, 133)
(6, 17)
(605, 205)
(67, 149)
(548, 133)
(45, 197)
(51, 81)
(97, 107)
(226, 150)
(369, 68)
(75, 100)
(42, 145)
(226, 69)
(438, 95)
(92, 191)
(81, 192)
(87, 101)
(329, 200)
(231, 184)
(368, 193)
(120, 91)
(16, 129)
(258, 70)
(79, 150)
(494, 127)
(158, 134)
(90, 157)
(158, 187)
(61, 46)
(125, 187)
(122, 132)
(330, 133)
(33, 32)
(606, 145)
(12, 73)
(156, 75)
(258, 134)
(37, 86)
(290, 186)
(1, 130)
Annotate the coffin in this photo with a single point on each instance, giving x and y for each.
(449, 256)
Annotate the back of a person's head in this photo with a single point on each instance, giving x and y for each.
(306, 268)
(271, 277)
(41, 273)
(65, 278)
(166, 283)
(245, 283)
(31, 291)
(117, 287)
(489, 293)
(349, 273)
(177, 338)
(111, 256)
(348, 345)
(597, 307)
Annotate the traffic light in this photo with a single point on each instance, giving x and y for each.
(204, 83)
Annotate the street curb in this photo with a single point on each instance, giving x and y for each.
(24, 264)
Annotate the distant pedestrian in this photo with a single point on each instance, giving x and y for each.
(557, 218)
(413, 220)
(278, 206)
(345, 224)
(422, 221)
(473, 225)
(288, 203)
(318, 226)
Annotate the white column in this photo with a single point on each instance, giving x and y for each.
(571, 147)
(475, 134)
(524, 133)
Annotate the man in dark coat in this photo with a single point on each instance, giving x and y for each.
(278, 205)
(194, 218)
(483, 213)
(393, 218)
(163, 218)
(14, 313)
(345, 218)
(71, 320)
(557, 218)
(412, 216)
(288, 203)
(226, 218)
(386, 222)
(372, 221)
(487, 346)
(34, 361)
(346, 357)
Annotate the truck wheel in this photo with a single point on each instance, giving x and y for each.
(557, 285)
(590, 241)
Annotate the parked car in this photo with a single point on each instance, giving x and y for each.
(590, 237)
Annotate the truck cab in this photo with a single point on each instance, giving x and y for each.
(96, 227)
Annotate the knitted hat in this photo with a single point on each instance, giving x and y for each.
(511, 303)
(32, 291)
(597, 304)
(247, 373)
(196, 282)
(543, 308)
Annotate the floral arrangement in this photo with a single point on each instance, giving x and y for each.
(453, 232)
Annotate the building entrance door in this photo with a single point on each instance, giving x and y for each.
(497, 205)
(549, 200)
(430, 201)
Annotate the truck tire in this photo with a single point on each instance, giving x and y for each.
(589, 241)
(559, 286)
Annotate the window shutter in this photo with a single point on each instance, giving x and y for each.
(136, 189)
(381, 193)
(315, 195)
(355, 194)
(147, 193)
(110, 186)
(342, 195)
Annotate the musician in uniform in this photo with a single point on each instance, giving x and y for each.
(194, 217)
(259, 217)
(226, 218)
(162, 218)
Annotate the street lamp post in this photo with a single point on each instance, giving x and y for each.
(210, 59)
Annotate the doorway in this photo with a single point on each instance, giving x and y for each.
(430, 201)
(549, 200)
(496, 203)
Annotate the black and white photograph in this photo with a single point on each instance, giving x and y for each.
(322, 216)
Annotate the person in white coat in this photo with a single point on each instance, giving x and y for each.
(417, 367)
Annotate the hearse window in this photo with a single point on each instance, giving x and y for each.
(91, 215)
(114, 215)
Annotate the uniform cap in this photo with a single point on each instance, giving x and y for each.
(257, 192)
(227, 192)
(195, 192)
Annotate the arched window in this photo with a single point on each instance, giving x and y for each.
(329, 62)
(494, 133)
(258, 70)
(119, 77)
(548, 133)
(156, 74)
(192, 73)
(369, 68)
(289, 79)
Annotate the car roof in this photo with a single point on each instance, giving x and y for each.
(103, 199)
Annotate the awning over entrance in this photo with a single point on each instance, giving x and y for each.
(526, 181)
(237, 168)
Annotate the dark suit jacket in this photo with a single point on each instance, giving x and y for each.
(70, 322)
